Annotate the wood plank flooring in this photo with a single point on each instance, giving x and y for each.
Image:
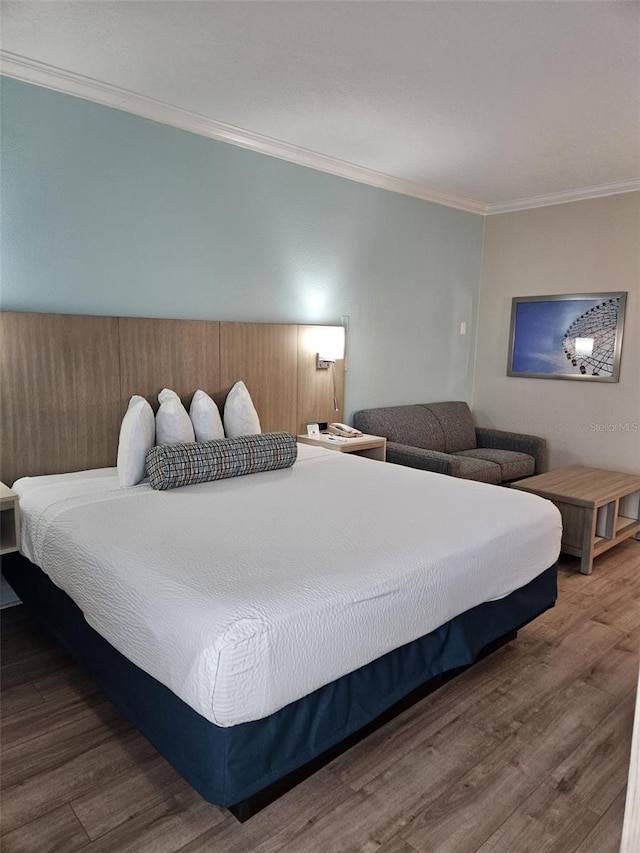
(527, 751)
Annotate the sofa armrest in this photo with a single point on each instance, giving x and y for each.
(426, 460)
(499, 439)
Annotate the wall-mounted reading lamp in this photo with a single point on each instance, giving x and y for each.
(330, 343)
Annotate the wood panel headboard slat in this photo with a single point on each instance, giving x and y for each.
(60, 397)
(183, 355)
(315, 387)
(264, 356)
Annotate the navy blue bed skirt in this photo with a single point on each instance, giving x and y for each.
(228, 765)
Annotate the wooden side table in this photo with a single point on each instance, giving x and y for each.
(9, 520)
(370, 446)
(599, 508)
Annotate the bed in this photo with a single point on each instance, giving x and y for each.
(250, 626)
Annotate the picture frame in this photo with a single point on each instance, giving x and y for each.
(569, 336)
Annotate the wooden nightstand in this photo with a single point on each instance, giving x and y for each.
(371, 446)
(9, 520)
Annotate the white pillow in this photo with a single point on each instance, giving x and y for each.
(240, 416)
(173, 424)
(137, 434)
(205, 417)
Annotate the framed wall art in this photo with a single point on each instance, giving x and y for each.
(573, 336)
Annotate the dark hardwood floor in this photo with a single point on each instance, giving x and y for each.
(527, 751)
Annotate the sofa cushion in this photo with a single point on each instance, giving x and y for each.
(476, 469)
(513, 465)
(456, 423)
(418, 457)
(413, 425)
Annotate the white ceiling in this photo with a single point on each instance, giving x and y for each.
(479, 104)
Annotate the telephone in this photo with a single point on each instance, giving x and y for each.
(344, 431)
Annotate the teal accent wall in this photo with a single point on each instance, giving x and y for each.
(104, 212)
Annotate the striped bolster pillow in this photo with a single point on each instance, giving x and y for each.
(173, 465)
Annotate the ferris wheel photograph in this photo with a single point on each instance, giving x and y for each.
(573, 336)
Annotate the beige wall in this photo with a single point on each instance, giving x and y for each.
(583, 247)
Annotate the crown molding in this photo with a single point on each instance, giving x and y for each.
(50, 77)
(564, 197)
(79, 86)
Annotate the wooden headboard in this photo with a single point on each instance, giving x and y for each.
(66, 379)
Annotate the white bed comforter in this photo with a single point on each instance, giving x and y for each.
(245, 594)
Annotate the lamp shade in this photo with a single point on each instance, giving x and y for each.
(326, 341)
(331, 343)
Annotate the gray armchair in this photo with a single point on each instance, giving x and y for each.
(443, 438)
